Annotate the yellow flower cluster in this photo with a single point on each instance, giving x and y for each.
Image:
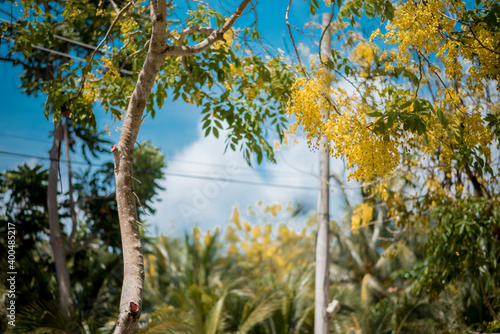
(350, 134)
(367, 154)
(466, 127)
(273, 209)
(307, 104)
(263, 244)
(363, 54)
(430, 26)
(362, 213)
(128, 26)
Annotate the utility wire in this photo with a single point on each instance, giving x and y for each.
(242, 181)
(62, 38)
(63, 54)
(183, 161)
(24, 138)
(201, 177)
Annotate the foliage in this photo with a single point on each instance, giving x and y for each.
(422, 136)
(94, 263)
(237, 89)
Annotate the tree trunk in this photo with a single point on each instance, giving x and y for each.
(133, 279)
(322, 277)
(56, 240)
(70, 182)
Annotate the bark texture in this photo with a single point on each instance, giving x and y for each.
(56, 240)
(133, 280)
(322, 272)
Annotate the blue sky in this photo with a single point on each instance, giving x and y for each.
(176, 130)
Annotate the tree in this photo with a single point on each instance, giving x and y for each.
(161, 55)
(322, 256)
(107, 84)
(43, 70)
(424, 132)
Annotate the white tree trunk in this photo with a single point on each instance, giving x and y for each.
(322, 277)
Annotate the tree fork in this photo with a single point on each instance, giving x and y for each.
(133, 262)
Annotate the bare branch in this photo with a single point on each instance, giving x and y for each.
(24, 65)
(293, 40)
(191, 30)
(92, 55)
(133, 55)
(114, 6)
(216, 35)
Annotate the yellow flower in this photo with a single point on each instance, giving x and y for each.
(256, 232)
(235, 218)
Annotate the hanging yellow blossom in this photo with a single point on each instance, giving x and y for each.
(235, 218)
(362, 214)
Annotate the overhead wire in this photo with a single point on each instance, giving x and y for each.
(192, 176)
(183, 161)
(63, 54)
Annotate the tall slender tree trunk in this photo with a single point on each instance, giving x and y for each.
(322, 277)
(70, 182)
(56, 240)
(133, 262)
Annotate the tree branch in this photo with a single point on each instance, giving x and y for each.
(190, 30)
(216, 35)
(92, 55)
(133, 55)
(485, 297)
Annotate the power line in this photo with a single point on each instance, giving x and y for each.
(45, 158)
(264, 171)
(191, 176)
(63, 54)
(241, 181)
(183, 161)
(24, 138)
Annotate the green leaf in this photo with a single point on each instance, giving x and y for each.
(389, 10)
(390, 119)
(407, 104)
(375, 114)
(442, 119)
(216, 132)
(312, 9)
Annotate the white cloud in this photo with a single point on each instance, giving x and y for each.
(206, 198)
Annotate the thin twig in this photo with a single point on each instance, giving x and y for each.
(114, 6)
(293, 41)
(133, 55)
(486, 299)
(92, 55)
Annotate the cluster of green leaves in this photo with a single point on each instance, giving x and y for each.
(59, 27)
(239, 92)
